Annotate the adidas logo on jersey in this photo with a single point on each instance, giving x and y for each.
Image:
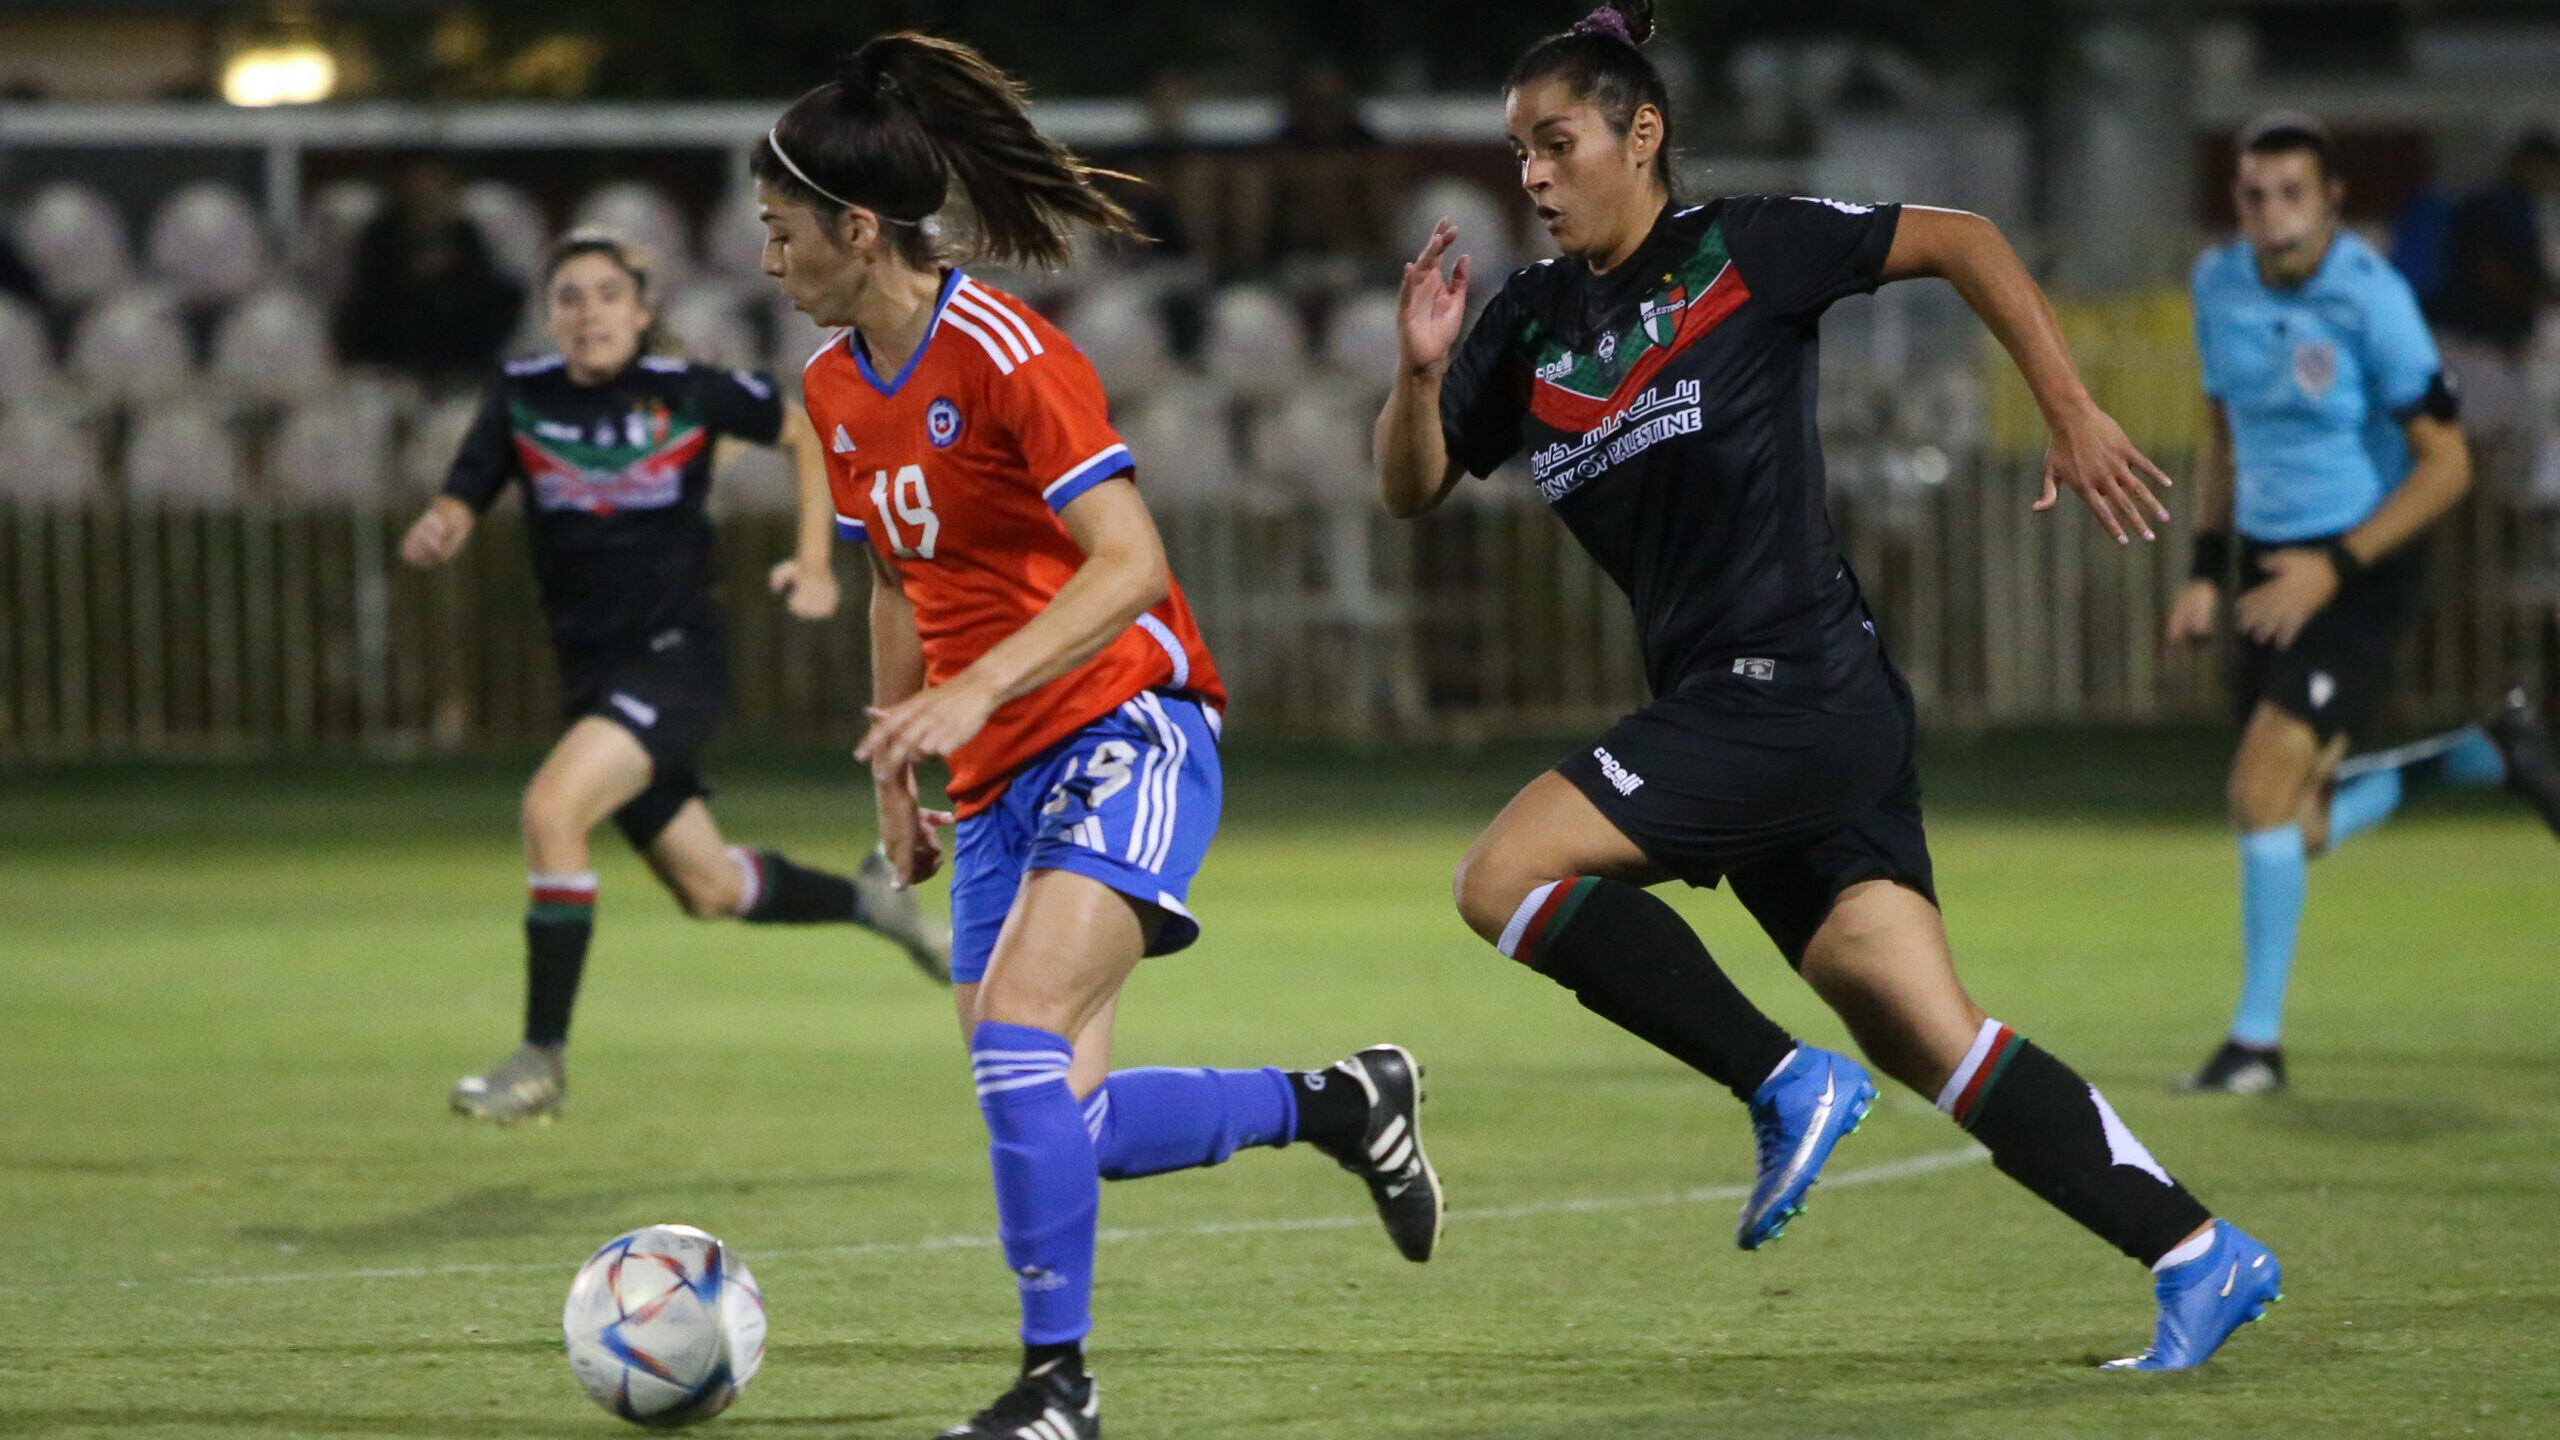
(843, 443)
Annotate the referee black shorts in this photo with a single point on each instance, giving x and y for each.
(2336, 676)
(671, 693)
(1793, 802)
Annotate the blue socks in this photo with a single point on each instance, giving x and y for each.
(2271, 885)
(1051, 1154)
(2462, 760)
(2475, 764)
(2362, 803)
(1146, 1122)
(1047, 1191)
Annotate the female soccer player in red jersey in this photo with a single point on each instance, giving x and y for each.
(1024, 628)
(612, 447)
(1659, 377)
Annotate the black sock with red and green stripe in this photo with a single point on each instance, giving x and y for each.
(1631, 960)
(2052, 1132)
(557, 926)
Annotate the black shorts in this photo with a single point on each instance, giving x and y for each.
(671, 694)
(2336, 676)
(1793, 802)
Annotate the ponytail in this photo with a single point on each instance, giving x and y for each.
(905, 116)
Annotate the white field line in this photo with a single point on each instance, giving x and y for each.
(1928, 1164)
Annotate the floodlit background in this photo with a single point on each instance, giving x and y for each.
(259, 887)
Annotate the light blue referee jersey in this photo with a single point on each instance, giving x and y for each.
(2317, 382)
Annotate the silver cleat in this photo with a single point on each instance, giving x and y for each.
(892, 911)
(527, 1085)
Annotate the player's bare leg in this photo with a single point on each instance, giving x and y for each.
(714, 880)
(595, 769)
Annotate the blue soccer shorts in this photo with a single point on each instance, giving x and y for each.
(1130, 800)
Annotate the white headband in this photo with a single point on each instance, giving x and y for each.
(775, 140)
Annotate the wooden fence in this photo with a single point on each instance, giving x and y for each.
(141, 632)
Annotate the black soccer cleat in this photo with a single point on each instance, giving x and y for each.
(2526, 748)
(2237, 1069)
(1046, 1404)
(1389, 1155)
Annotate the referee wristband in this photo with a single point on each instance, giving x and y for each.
(2212, 558)
(2343, 560)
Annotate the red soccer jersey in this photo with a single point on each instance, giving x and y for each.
(954, 472)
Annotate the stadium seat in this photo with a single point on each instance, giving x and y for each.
(1117, 325)
(1484, 228)
(333, 220)
(207, 242)
(434, 438)
(511, 224)
(708, 322)
(1254, 345)
(26, 358)
(1182, 442)
(1360, 340)
(273, 346)
(132, 346)
(1318, 441)
(642, 215)
(75, 241)
(47, 456)
(333, 447)
(182, 453)
(733, 238)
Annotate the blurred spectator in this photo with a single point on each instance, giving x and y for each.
(1176, 206)
(1333, 185)
(424, 294)
(16, 278)
(2494, 283)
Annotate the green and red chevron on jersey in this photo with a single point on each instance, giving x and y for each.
(1575, 392)
(640, 465)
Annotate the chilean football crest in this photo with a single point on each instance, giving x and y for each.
(942, 423)
(1659, 315)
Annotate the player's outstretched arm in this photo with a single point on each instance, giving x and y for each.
(807, 581)
(1123, 575)
(438, 534)
(909, 834)
(1415, 472)
(2090, 456)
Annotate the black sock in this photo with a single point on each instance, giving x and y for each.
(797, 895)
(2052, 1132)
(1630, 959)
(555, 955)
(1333, 1111)
(1069, 1357)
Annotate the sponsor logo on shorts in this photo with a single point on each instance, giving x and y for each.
(1756, 669)
(666, 640)
(639, 710)
(1620, 778)
(2323, 688)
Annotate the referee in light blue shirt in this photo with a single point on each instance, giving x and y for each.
(2332, 449)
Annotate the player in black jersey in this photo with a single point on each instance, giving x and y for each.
(613, 450)
(1660, 378)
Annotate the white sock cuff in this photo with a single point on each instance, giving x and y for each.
(750, 879)
(583, 880)
(1983, 1040)
(1509, 944)
(2191, 1250)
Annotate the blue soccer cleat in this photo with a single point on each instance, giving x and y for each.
(2204, 1300)
(1798, 1115)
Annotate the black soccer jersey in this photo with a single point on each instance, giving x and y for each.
(615, 476)
(1667, 408)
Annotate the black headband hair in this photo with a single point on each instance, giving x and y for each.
(630, 259)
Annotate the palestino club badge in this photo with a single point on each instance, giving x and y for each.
(942, 423)
(1660, 315)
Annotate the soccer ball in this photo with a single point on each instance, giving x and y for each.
(665, 1326)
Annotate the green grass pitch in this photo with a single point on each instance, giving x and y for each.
(231, 1002)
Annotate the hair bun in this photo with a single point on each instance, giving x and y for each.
(1627, 20)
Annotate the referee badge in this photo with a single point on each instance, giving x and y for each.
(942, 423)
(2315, 367)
